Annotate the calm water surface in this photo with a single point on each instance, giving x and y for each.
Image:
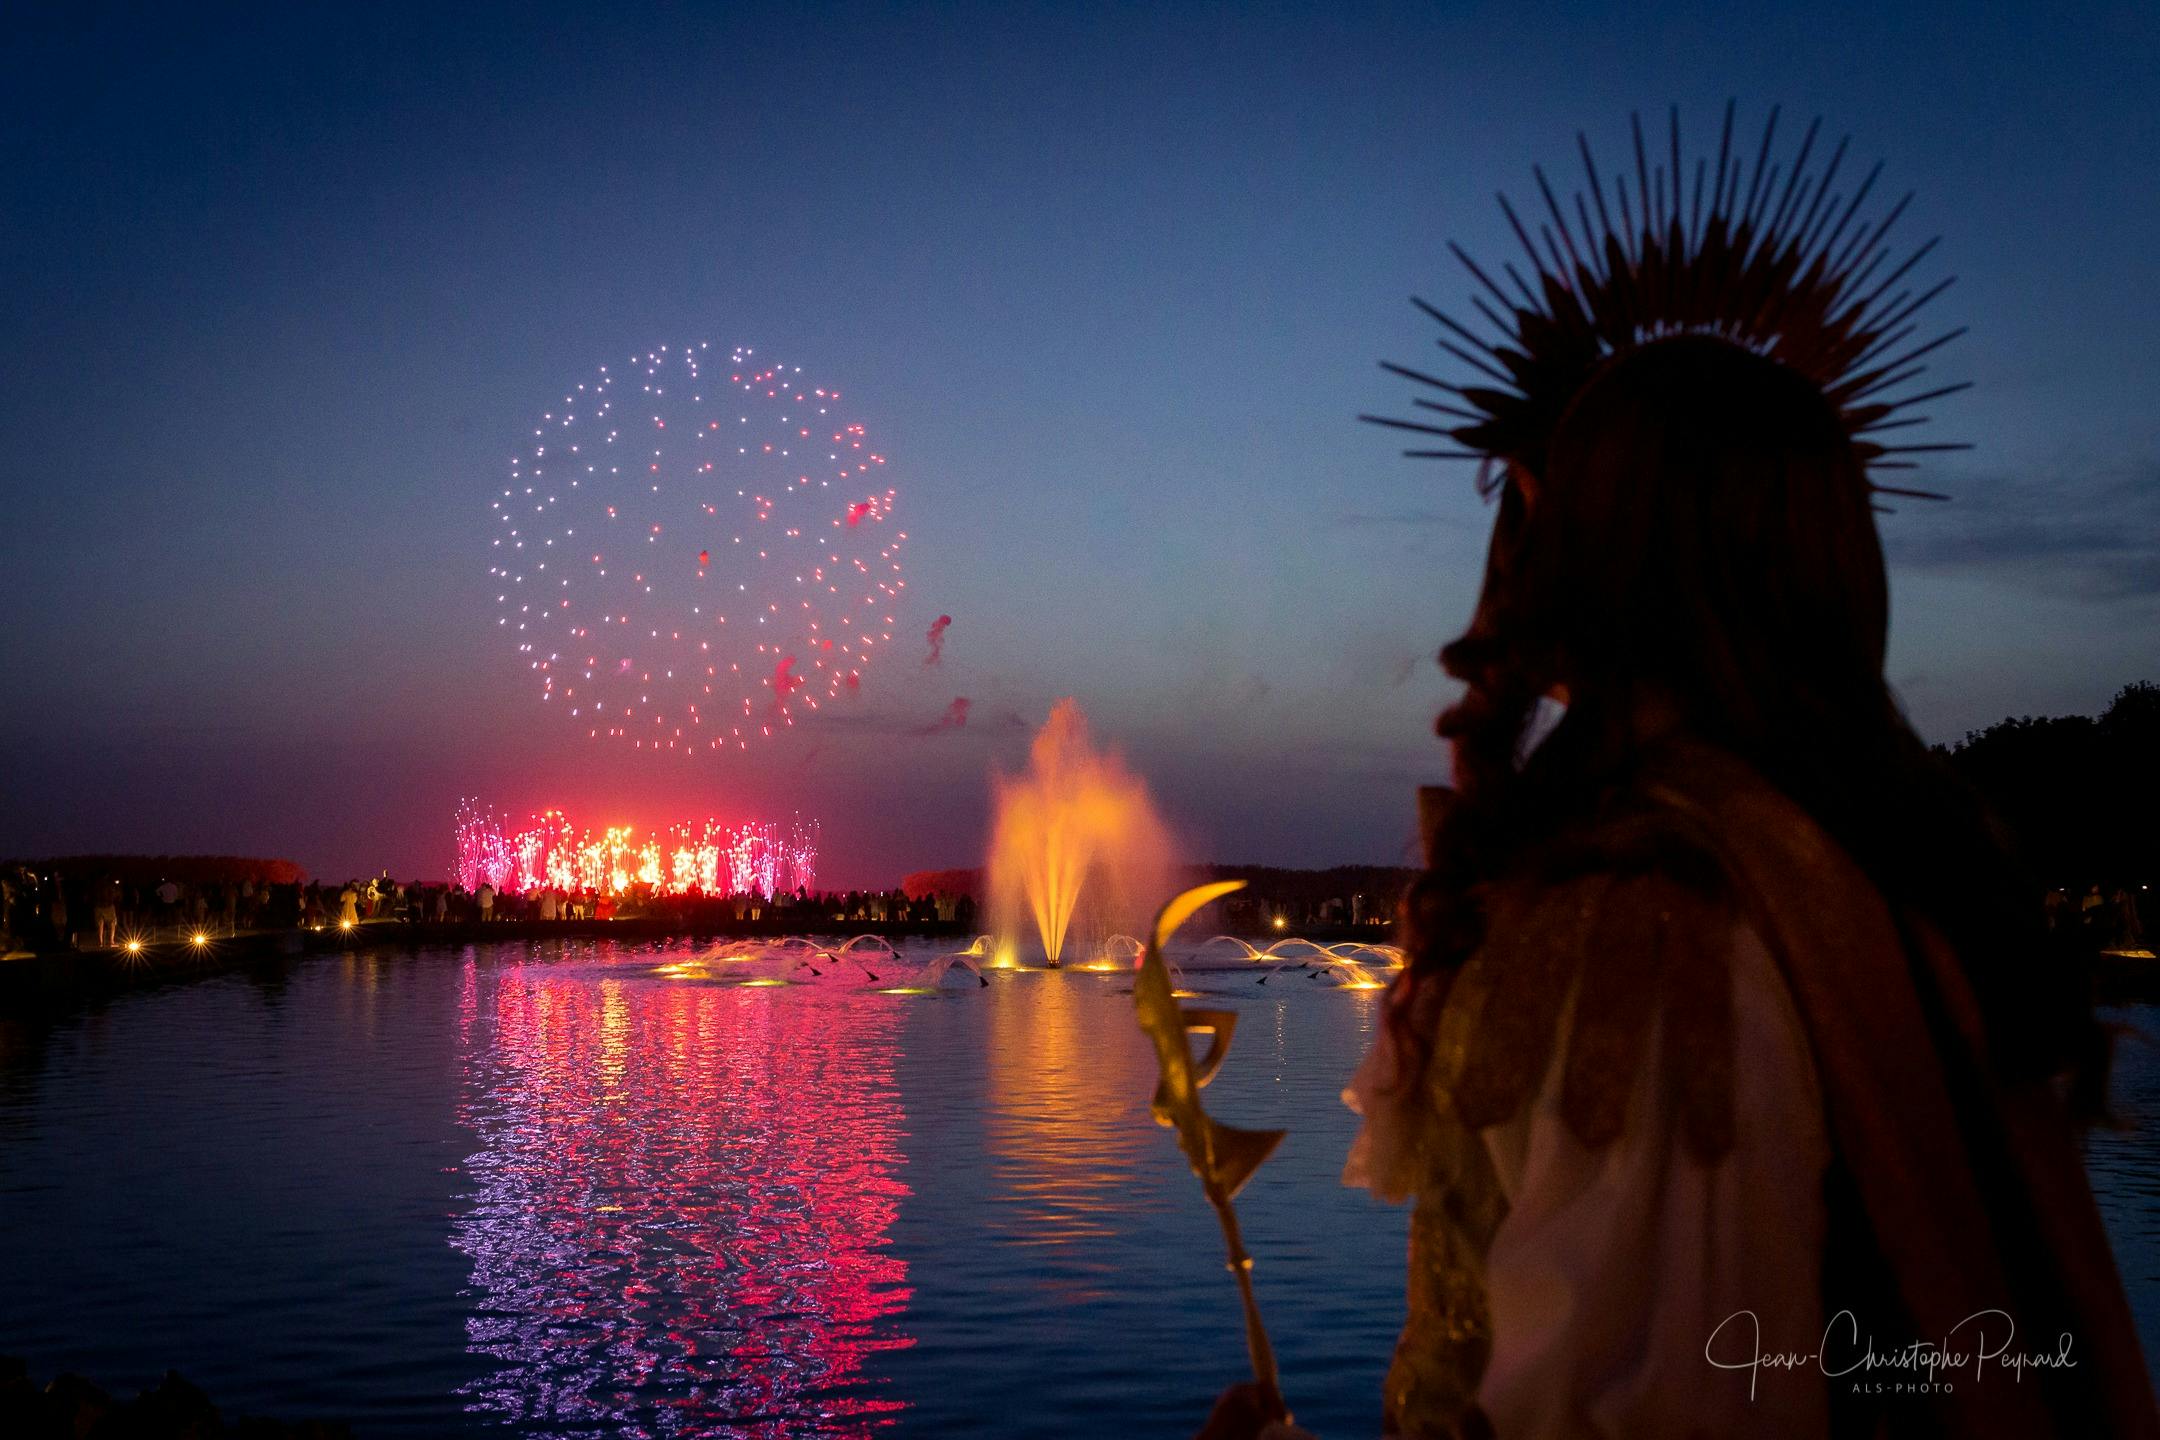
(579, 1189)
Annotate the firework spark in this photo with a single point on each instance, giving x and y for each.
(694, 551)
(548, 852)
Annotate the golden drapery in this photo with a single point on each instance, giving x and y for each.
(1959, 1184)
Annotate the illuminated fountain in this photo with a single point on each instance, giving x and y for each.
(808, 955)
(1116, 952)
(1077, 848)
(935, 972)
(1354, 964)
(784, 961)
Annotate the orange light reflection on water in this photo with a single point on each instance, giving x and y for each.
(1067, 1120)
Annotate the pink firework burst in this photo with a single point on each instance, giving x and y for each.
(696, 549)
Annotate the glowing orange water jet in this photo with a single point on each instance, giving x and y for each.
(1076, 826)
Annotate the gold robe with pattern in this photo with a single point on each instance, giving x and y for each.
(1960, 1195)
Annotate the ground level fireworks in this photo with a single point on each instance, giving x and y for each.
(548, 852)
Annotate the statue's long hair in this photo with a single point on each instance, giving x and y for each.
(1702, 547)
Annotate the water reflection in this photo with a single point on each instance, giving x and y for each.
(680, 1207)
(676, 1222)
(1066, 1118)
(2123, 1162)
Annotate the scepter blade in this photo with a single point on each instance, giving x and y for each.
(1237, 1153)
(1222, 1156)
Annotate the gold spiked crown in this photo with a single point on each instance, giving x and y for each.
(1785, 266)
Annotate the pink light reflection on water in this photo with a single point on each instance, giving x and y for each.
(681, 1202)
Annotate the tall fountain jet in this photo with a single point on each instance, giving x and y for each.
(1077, 847)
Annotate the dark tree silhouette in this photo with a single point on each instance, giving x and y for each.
(2081, 796)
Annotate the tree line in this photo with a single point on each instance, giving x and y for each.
(2080, 794)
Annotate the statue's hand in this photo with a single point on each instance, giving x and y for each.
(1249, 1412)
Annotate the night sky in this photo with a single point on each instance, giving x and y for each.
(286, 291)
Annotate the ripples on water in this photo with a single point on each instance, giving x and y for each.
(2124, 1164)
(679, 1208)
(590, 1191)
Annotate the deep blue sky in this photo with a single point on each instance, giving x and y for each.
(285, 291)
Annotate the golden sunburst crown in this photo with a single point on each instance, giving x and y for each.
(1770, 256)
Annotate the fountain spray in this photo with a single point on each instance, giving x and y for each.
(1077, 843)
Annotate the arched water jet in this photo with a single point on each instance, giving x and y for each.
(854, 949)
(935, 972)
(1347, 974)
(1390, 956)
(1355, 960)
(1115, 953)
(779, 960)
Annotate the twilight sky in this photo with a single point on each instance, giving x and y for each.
(286, 292)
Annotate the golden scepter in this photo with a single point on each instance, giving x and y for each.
(1223, 1156)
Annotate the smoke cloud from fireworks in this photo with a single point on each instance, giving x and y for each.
(954, 718)
(784, 681)
(936, 637)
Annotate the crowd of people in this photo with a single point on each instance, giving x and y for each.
(801, 908)
(61, 910)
